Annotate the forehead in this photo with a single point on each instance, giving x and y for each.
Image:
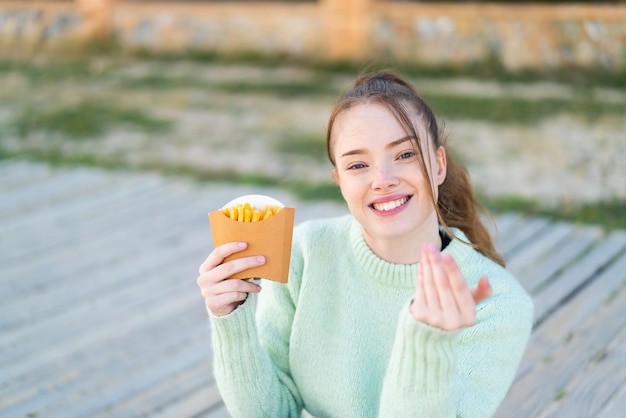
(369, 124)
(366, 120)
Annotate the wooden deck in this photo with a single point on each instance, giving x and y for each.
(101, 317)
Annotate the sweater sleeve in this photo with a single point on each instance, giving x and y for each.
(465, 373)
(250, 381)
(251, 350)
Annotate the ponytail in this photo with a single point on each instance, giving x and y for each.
(457, 207)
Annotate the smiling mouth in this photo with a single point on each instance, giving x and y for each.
(387, 206)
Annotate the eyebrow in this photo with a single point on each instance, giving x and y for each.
(390, 145)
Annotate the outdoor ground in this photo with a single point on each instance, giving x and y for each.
(556, 144)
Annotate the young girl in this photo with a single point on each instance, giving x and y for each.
(400, 309)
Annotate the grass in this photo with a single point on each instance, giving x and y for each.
(72, 63)
(310, 146)
(306, 88)
(513, 110)
(162, 82)
(560, 395)
(280, 89)
(490, 68)
(510, 110)
(39, 72)
(609, 214)
(491, 109)
(86, 119)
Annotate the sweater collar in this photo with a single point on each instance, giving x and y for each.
(393, 274)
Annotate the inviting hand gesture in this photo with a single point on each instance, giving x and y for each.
(442, 297)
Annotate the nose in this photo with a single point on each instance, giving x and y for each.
(384, 177)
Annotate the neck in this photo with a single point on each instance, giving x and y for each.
(405, 249)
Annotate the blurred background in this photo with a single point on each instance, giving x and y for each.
(533, 96)
(123, 122)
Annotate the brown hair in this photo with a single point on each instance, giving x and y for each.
(456, 205)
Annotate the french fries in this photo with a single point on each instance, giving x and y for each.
(245, 212)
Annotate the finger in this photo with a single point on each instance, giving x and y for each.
(227, 270)
(482, 290)
(226, 303)
(445, 292)
(217, 256)
(462, 294)
(419, 299)
(235, 286)
(224, 296)
(430, 289)
(458, 284)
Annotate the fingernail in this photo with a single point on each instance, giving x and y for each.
(242, 244)
(258, 288)
(260, 259)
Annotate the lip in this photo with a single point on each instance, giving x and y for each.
(390, 198)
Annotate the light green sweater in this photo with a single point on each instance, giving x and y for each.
(339, 341)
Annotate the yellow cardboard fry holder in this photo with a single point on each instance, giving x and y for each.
(270, 237)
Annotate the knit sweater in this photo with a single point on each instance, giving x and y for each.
(339, 340)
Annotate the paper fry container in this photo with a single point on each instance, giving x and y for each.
(270, 238)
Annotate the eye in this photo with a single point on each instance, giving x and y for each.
(356, 166)
(407, 155)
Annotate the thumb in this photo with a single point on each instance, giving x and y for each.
(482, 290)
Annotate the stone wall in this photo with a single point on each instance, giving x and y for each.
(28, 26)
(262, 27)
(519, 36)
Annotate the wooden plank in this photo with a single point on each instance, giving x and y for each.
(615, 406)
(577, 275)
(54, 189)
(85, 205)
(111, 289)
(534, 252)
(605, 373)
(558, 326)
(205, 402)
(71, 290)
(560, 346)
(90, 242)
(18, 174)
(506, 224)
(520, 235)
(25, 235)
(560, 258)
(83, 397)
(220, 412)
(165, 397)
(97, 329)
(81, 233)
(116, 348)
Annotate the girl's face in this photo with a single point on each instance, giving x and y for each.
(379, 172)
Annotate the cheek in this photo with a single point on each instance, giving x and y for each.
(351, 187)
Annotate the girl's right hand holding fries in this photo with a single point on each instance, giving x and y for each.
(221, 294)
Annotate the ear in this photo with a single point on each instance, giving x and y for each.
(336, 177)
(442, 165)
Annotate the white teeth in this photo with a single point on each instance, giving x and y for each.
(390, 205)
